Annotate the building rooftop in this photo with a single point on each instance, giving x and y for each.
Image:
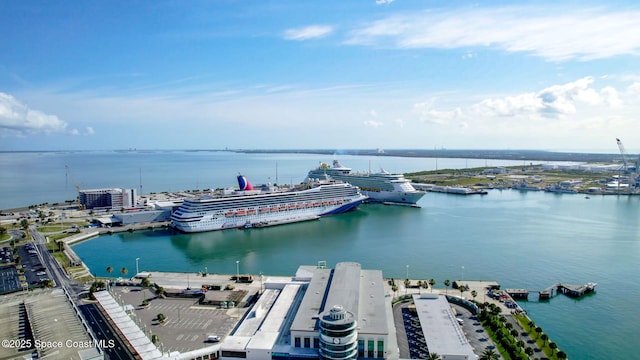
(441, 330)
(358, 291)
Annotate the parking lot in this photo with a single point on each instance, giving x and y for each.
(34, 271)
(188, 324)
(417, 344)
(9, 279)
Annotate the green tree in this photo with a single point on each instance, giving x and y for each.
(529, 350)
(462, 289)
(24, 224)
(447, 283)
(553, 346)
(538, 331)
(109, 270)
(431, 283)
(145, 282)
(161, 318)
(474, 294)
(544, 338)
(489, 354)
(124, 271)
(433, 356)
(3, 231)
(561, 355)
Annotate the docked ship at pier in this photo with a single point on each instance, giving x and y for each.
(381, 187)
(268, 205)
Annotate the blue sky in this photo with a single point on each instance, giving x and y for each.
(332, 74)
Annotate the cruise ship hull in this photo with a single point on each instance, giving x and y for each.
(252, 211)
(395, 197)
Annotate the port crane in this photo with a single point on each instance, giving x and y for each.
(628, 166)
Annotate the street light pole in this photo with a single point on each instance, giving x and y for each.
(237, 271)
(137, 271)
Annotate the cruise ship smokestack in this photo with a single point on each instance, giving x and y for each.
(243, 183)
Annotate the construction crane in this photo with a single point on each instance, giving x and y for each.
(633, 169)
(624, 154)
(75, 184)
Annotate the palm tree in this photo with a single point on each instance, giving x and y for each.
(462, 289)
(124, 271)
(544, 338)
(447, 283)
(489, 354)
(474, 294)
(529, 350)
(561, 355)
(553, 346)
(431, 283)
(434, 356)
(109, 270)
(538, 331)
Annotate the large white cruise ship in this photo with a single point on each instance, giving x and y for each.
(248, 207)
(378, 187)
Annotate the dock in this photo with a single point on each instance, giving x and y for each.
(547, 293)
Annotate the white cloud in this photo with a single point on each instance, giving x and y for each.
(373, 123)
(17, 118)
(634, 88)
(309, 32)
(399, 122)
(553, 102)
(90, 130)
(556, 33)
(427, 114)
(383, 2)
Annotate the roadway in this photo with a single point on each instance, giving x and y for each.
(99, 327)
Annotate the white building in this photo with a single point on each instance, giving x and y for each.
(320, 313)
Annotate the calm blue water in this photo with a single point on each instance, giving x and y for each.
(526, 240)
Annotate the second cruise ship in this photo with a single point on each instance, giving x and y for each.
(249, 207)
(381, 187)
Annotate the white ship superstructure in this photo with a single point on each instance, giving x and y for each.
(257, 208)
(378, 187)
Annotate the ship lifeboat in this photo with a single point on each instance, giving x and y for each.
(291, 207)
(251, 211)
(309, 205)
(300, 206)
(273, 208)
(229, 213)
(282, 208)
(241, 212)
(339, 202)
(264, 210)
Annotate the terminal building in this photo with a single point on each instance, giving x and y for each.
(340, 313)
(110, 198)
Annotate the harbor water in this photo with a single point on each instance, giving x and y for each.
(525, 240)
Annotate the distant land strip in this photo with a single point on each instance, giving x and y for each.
(522, 155)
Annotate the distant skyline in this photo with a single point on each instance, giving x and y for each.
(104, 75)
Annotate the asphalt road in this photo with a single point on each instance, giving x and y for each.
(100, 328)
(105, 332)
